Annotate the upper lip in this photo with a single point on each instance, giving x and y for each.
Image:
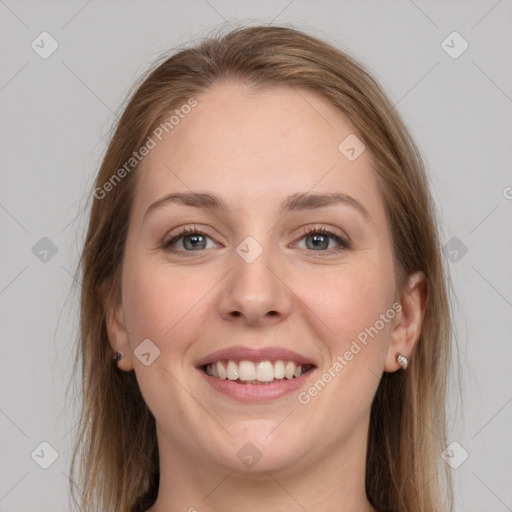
(240, 353)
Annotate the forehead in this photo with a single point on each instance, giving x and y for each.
(256, 146)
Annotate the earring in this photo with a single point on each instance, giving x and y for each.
(402, 361)
(117, 357)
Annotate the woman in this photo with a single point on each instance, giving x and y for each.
(264, 314)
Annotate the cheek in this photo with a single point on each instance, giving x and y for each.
(350, 301)
(162, 303)
(349, 307)
(148, 310)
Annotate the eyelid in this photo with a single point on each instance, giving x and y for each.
(343, 240)
(182, 232)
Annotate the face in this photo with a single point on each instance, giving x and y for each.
(268, 283)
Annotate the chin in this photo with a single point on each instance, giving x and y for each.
(258, 451)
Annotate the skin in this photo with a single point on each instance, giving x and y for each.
(254, 149)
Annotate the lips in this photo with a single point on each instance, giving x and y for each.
(247, 366)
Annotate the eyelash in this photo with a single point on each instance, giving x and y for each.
(344, 243)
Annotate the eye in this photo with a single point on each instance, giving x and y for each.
(318, 239)
(190, 238)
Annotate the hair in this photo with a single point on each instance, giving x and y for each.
(116, 441)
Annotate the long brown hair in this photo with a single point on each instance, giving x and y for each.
(116, 447)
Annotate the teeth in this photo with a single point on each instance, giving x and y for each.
(220, 370)
(232, 371)
(252, 373)
(289, 370)
(279, 370)
(247, 370)
(265, 371)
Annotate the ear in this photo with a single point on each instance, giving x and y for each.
(408, 322)
(116, 330)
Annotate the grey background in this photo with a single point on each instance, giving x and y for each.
(55, 117)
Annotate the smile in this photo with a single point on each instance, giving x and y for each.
(250, 374)
(254, 373)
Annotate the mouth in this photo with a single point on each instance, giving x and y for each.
(248, 374)
(256, 372)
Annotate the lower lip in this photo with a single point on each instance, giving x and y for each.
(256, 392)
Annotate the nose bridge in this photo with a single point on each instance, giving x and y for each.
(253, 261)
(255, 290)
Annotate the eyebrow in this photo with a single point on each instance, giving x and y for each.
(294, 202)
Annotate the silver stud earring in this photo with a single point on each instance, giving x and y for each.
(402, 361)
(117, 357)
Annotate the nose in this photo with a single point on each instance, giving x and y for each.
(256, 293)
